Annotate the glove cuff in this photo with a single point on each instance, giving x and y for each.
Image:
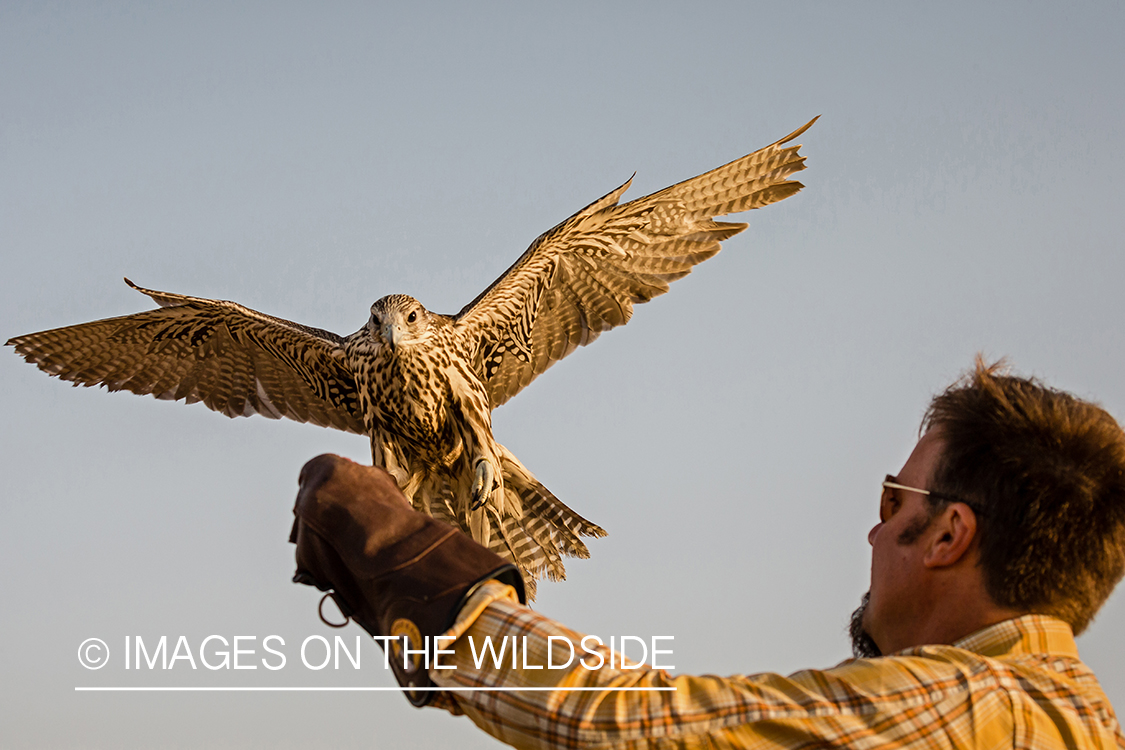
(395, 571)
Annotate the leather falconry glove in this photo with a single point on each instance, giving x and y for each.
(395, 571)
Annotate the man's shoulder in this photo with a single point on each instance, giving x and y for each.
(975, 661)
(1016, 657)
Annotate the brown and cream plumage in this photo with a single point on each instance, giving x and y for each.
(422, 385)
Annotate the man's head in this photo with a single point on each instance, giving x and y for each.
(1042, 478)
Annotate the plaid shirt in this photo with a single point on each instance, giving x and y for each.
(1016, 684)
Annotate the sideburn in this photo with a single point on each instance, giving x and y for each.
(917, 526)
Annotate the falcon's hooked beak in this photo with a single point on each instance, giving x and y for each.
(392, 335)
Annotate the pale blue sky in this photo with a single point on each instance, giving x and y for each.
(964, 194)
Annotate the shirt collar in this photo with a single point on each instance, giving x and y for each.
(1029, 634)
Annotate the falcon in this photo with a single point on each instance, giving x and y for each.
(422, 385)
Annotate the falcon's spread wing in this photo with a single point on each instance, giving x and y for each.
(584, 276)
(235, 360)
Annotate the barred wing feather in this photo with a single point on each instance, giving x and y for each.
(233, 359)
(585, 275)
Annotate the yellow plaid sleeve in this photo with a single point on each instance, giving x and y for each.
(930, 697)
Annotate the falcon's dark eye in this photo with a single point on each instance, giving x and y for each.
(411, 317)
(374, 319)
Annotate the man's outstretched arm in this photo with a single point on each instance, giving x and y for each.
(940, 694)
(400, 573)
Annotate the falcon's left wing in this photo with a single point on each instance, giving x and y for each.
(235, 360)
(584, 276)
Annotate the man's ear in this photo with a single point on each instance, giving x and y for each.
(951, 536)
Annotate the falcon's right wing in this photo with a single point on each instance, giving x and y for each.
(585, 275)
(235, 360)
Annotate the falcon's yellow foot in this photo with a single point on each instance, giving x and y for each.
(483, 484)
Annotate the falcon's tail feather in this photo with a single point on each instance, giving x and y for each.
(547, 530)
(532, 528)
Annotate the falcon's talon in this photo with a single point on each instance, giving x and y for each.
(483, 484)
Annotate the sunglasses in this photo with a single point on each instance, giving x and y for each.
(890, 484)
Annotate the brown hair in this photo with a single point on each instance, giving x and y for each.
(1048, 471)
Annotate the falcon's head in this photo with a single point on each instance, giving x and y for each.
(399, 320)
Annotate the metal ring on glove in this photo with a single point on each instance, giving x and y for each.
(320, 611)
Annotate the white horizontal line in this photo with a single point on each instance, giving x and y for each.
(367, 689)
